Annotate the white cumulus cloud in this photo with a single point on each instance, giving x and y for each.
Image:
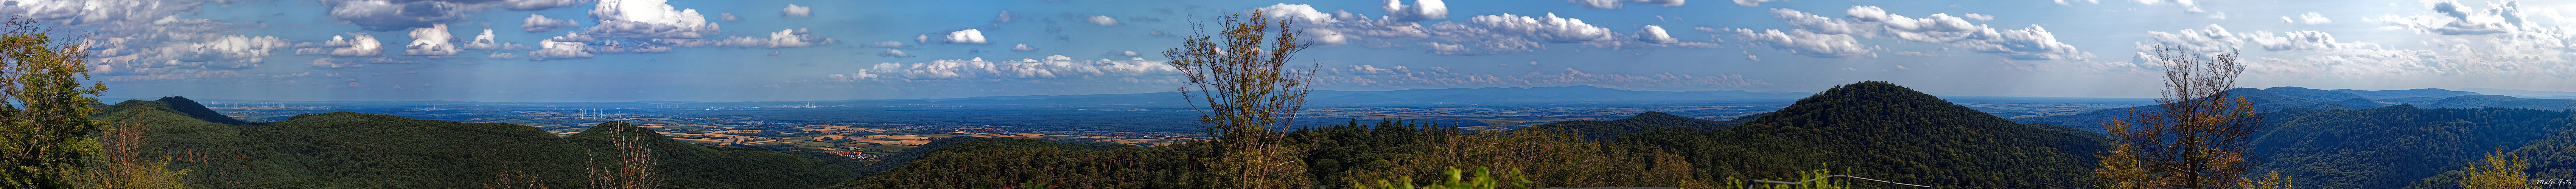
(361, 45)
(2208, 39)
(551, 49)
(964, 36)
(1102, 20)
(382, 15)
(1404, 77)
(793, 11)
(1655, 34)
(539, 23)
(486, 41)
(1750, 3)
(2303, 40)
(649, 19)
(1475, 35)
(799, 37)
(1614, 4)
(1419, 11)
(2029, 43)
(1550, 29)
(502, 55)
(2312, 18)
(1803, 42)
(433, 40)
(1050, 67)
(894, 53)
(541, 4)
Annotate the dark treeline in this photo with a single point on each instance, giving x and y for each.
(350, 150)
(1870, 129)
(1334, 156)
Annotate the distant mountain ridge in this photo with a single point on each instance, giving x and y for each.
(1578, 93)
(2522, 93)
(2424, 92)
(2287, 98)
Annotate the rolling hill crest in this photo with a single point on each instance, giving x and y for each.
(351, 150)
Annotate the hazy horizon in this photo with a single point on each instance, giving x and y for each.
(688, 50)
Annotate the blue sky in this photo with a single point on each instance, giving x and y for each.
(626, 50)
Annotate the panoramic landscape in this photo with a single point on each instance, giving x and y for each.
(1032, 94)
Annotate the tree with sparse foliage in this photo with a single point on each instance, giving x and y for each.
(124, 163)
(2194, 139)
(1251, 93)
(2501, 171)
(45, 109)
(633, 159)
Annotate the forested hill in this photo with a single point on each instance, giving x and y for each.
(1881, 130)
(2551, 157)
(195, 110)
(2394, 146)
(1869, 129)
(350, 150)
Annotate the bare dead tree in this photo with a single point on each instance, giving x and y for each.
(632, 162)
(1250, 93)
(126, 166)
(2195, 139)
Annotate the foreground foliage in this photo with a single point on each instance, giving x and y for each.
(46, 138)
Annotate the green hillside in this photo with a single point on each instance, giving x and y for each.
(2394, 146)
(350, 150)
(2551, 157)
(972, 145)
(1642, 122)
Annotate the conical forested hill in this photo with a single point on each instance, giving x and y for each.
(199, 111)
(1884, 131)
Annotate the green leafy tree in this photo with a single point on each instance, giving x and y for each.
(48, 135)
